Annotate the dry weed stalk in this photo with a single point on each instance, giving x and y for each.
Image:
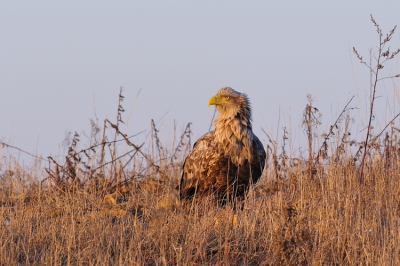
(310, 121)
(383, 57)
(322, 152)
(274, 151)
(154, 135)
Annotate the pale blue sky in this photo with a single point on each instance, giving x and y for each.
(61, 60)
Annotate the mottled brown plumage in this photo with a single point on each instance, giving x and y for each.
(230, 154)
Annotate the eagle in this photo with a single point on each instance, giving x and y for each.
(227, 160)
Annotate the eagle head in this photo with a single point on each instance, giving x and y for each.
(230, 103)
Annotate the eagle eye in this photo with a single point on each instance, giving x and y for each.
(227, 97)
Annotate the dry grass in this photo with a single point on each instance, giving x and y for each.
(110, 204)
(329, 218)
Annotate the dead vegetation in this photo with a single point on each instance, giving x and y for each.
(116, 203)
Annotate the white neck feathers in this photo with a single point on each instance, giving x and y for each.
(235, 136)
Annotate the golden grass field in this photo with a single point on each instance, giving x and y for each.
(111, 202)
(129, 213)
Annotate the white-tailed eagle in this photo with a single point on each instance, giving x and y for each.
(225, 161)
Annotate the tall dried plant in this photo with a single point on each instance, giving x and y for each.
(383, 56)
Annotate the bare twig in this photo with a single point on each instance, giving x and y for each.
(331, 130)
(377, 136)
(137, 148)
(16, 148)
(310, 120)
(212, 120)
(116, 159)
(186, 133)
(275, 161)
(382, 57)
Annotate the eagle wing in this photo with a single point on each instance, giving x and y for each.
(198, 166)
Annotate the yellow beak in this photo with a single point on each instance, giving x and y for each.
(216, 99)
